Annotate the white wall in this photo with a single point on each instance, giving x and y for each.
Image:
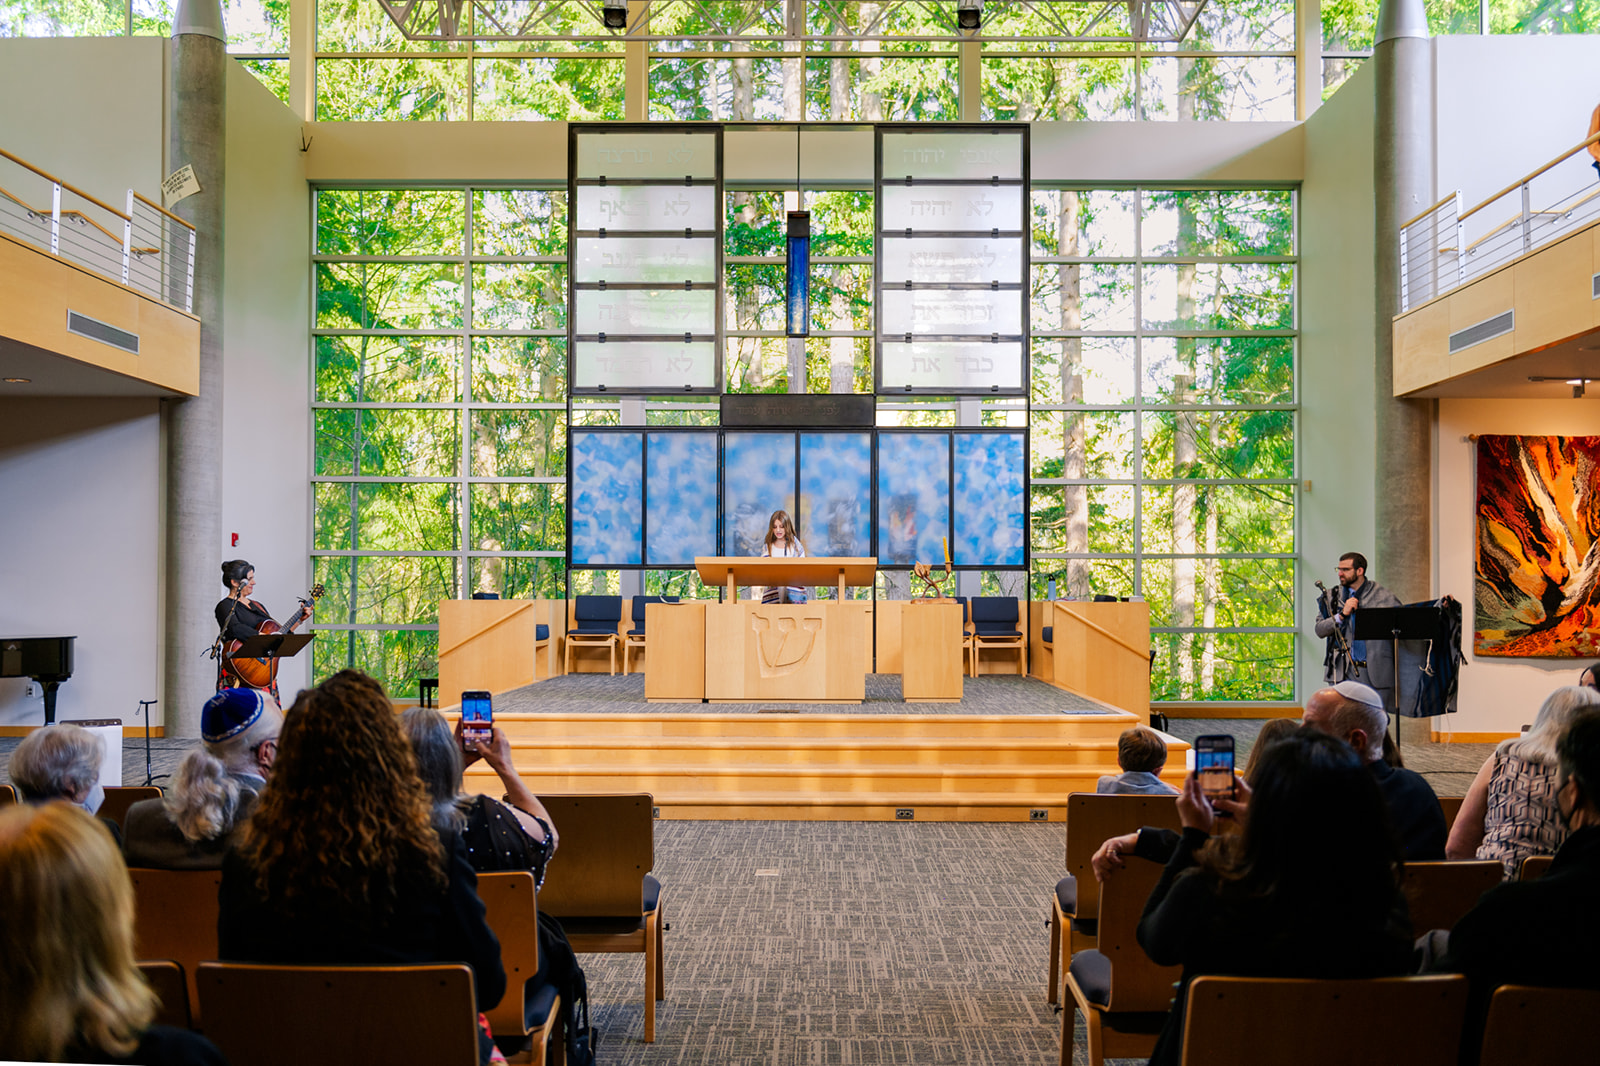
(266, 353)
(1338, 321)
(78, 525)
(1497, 695)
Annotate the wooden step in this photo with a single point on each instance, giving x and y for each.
(661, 780)
(642, 752)
(783, 724)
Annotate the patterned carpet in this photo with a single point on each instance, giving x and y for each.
(607, 694)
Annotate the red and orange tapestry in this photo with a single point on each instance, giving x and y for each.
(1538, 558)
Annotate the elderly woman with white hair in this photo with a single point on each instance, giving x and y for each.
(60, 762)
(213, 790)
(1509, 812)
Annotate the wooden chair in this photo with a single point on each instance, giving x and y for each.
(994, 624)
(1267, 1021)
(175, 917)
(1439, 894)
(1123, 996)
(1534, 867)
(120, 797)
(635, 637)
(8, 795)
(600, 885)
(1451, 805)
(596, 620)
(397, 1015)
(1092, 820)
(1539, 1025)
(166, 978)
(525, 1011)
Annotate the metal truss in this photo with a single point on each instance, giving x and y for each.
(759, 26)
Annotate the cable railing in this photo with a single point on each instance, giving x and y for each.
(144, 246)
(1444, 247)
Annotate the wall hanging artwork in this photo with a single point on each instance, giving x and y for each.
(1538, 549)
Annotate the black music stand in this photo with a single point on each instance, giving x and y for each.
(273, 646)
(1395, 624)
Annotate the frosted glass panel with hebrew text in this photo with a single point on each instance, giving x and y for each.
(650, 260)
(659, 366)
(647, 207)
(953, 155)
(961, 208)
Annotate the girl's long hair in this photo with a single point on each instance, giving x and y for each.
(68, 981)
(788, 529)
(343, 826)
(1318, 836)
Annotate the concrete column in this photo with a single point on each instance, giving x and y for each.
(1403, 160)
(197, 117)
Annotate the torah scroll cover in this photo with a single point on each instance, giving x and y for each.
(1538, 549)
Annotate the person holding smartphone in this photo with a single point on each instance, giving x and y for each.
(1309, 888)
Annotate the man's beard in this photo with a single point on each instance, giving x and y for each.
(1347, 580)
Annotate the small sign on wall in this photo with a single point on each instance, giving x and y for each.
(180, 185)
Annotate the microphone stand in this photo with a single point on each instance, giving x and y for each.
(150, 777)
(1356, 665)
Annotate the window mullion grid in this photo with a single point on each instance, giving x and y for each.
(1138, 383)
(464, 463)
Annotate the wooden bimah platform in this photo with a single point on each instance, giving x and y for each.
(493, 645)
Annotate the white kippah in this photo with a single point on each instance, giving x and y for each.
(1363, 694)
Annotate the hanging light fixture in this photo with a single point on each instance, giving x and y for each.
(797, 285)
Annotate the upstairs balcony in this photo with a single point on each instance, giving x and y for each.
(94, 300)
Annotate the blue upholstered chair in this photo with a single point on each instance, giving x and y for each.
(595, 622)
(994, 625)
(635, 638)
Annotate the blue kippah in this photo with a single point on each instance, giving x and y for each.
(230, 712)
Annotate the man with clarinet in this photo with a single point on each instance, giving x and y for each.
(1348, 659)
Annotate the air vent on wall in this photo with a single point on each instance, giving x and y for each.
(95, 330)
(1488, 329)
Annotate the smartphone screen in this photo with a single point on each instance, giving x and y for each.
(477, 716)
(1213, 765)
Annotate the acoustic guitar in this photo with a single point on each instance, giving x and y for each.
(261, 673)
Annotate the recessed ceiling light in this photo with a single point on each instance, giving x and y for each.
(18, 381)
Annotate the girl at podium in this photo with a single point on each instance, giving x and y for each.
(782, 542)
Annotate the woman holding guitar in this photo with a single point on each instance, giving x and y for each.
(239, 618)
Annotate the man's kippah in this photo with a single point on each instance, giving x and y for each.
(1356, 691)
(230, 712)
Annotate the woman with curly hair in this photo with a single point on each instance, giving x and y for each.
(69, 989)
(341, 862)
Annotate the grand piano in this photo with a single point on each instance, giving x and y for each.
(48, 660)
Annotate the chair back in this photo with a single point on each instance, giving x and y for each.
(120, 797)
(591, 611)
(1092, 819)
(8, 795)
(639, 603)
(1439, 894)
(1534, 867)
(513, 913)
(994, 614)
(397, 1015)
(175, 917)
(1257, 1021)
(1137, 984)
(607, 846)
(167, 980)
(1451, 805)
(1539, 1025)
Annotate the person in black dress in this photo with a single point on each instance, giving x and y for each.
(239, 617)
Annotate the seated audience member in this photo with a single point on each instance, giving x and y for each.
(1544, 932)
(1269, 734)
(1309, 888)
(69, 988)
(501, 837)
(341, 862)
(1141, 753)
(61, 762)
(1510, 811)
(214, 789)
(1354, 713)
(1590, 677)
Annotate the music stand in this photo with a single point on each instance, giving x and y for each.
(273, 646)
(1395, 624)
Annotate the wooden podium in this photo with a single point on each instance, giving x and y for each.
(932, 663)
(813, 652)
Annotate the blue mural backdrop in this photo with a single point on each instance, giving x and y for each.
(990, 500)
(607, 488)
(836, 493)
(913, 497)
(681, 497)
(757, 479)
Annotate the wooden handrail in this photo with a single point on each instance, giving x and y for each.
(1143, 653)
(1514, 186)
(57, 181)
(42, 213)
(157, 207)
(1426, 211)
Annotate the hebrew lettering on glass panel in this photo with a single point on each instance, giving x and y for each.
(662, 366)
(953, 366)
(635, 154)
(646, 260)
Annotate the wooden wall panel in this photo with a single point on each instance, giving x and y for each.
(1483, 299)
(1422, 347)
(1552, 294)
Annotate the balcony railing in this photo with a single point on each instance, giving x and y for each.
(1445, 247)
(144, 246)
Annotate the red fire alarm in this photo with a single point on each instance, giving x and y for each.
(235, 539)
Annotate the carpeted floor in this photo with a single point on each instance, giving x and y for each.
(607, 694)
